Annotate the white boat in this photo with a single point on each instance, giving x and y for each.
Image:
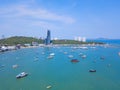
(48, 87)
(15, 66)
(52, 54)
(119, 53)
(65, 52)
(21, 75)
(80, 54)
(70, 56)
(83, 56)
(83, 48)
(49, 57)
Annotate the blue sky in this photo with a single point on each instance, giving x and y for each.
(65, 18)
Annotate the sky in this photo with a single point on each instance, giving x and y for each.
(65, 19)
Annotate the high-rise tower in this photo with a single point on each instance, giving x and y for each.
(48, 38)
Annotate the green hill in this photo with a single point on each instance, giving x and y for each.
(25, 40)
(19, 40)
(73, 42)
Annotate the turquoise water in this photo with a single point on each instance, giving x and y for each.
(58, 71)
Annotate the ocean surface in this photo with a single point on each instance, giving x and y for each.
(57, 70)
(108, 41)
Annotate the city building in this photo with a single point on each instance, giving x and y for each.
(48, 38)
(55, 39)
(35, 44)
(81, 39)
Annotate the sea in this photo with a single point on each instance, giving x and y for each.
(51, 68)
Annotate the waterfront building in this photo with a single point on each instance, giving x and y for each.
(35, 44)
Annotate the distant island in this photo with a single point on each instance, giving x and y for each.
(101, 38)
(15, 40)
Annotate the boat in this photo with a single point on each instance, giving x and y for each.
(70, 56)
(49, 57)
(119, 53)
(48, 87)
(74, 60)
(92, 70)
(102, 57)
(21, 75)
(83, 56)
(15, 66)
(52, 54)
(85, 48)
(1, 66)
(65, 52)
(80, 54)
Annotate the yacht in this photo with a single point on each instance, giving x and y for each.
(21, 75)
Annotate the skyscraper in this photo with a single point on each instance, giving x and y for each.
(48, 38)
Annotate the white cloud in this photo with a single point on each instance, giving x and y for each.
(22, 11)
(26, 20)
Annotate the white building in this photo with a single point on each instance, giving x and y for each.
(55, 38)
(81, 39)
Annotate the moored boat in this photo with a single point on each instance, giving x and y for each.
(74, 60)
(52, 54)
(48, 87)
(21, 75)
(92, 70)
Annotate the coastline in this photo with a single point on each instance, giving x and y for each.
(82, 46)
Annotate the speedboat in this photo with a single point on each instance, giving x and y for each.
(21, 75)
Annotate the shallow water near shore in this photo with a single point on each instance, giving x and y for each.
(59, 72)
